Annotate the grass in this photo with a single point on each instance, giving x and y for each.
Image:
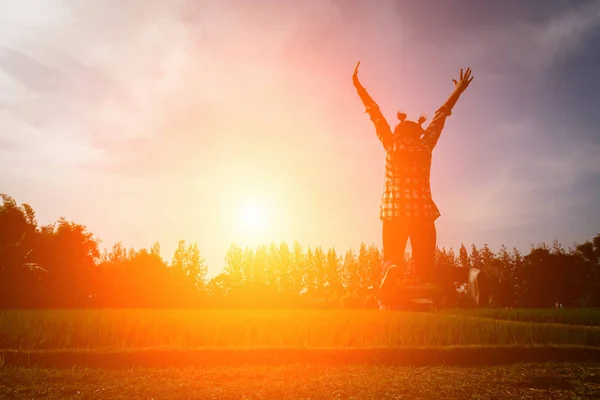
(177, 358)
(573, 316)
(522, 381)
(102, 330)
(300, 354)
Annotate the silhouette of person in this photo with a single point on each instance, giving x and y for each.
(407, 209)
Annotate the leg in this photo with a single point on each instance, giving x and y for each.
(423, 242)
(395, 236)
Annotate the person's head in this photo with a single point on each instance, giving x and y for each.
(409, 129)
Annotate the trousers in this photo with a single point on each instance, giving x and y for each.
(422, 235)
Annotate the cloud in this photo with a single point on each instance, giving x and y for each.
(162, 78)
(530, 170)
(32, 74)
(72, 78)
(529, 45)
(528, 179)
(566, 33)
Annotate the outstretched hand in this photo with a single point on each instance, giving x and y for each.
(463, 82)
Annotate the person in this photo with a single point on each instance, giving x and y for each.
(407, 209)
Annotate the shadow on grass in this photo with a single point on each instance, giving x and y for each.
(547, 383)
(166, 358)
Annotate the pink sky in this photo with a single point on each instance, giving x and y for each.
(155, 121)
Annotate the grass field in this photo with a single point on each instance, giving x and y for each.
(517, 381)
(300, 354)
(573, 316)
(125, 329)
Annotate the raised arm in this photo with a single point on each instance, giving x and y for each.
(382, 128)
(434, 130)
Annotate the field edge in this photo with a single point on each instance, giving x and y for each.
(427, 356)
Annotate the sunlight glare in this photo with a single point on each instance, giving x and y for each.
(253, 217)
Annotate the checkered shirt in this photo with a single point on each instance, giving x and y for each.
(407, 192)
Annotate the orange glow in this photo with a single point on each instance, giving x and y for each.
(186, 117)
(253, 217)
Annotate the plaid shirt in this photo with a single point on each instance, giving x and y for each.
(407, 192)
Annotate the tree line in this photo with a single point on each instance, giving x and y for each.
(60, 265)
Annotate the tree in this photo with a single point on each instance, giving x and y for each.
(219, 288)
(118, 253)
(189, 265)
(234, 264)
(273, 272)
(59, 265)
(363, 267)
(374, 267)
(487, 255)
(69, 253)
(334, 282)
(536, 278)
(18, 223)
(589, 255)
(248, 265)
(287, 282)
(197, 268)
(351, 272)
(19, 275)
(180, 257)
(319, 265)
(310, 272)
(260, 265)
(445, 265)
(153, 284)
(507, 279)
(519, 268)
(155, 250)
(463, 257)
(476, 259)
(298, 268)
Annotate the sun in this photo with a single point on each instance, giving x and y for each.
(253, 217)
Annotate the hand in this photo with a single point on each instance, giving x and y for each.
(355, 74)
(464, 81)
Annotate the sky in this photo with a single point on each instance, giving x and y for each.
(147, 120)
